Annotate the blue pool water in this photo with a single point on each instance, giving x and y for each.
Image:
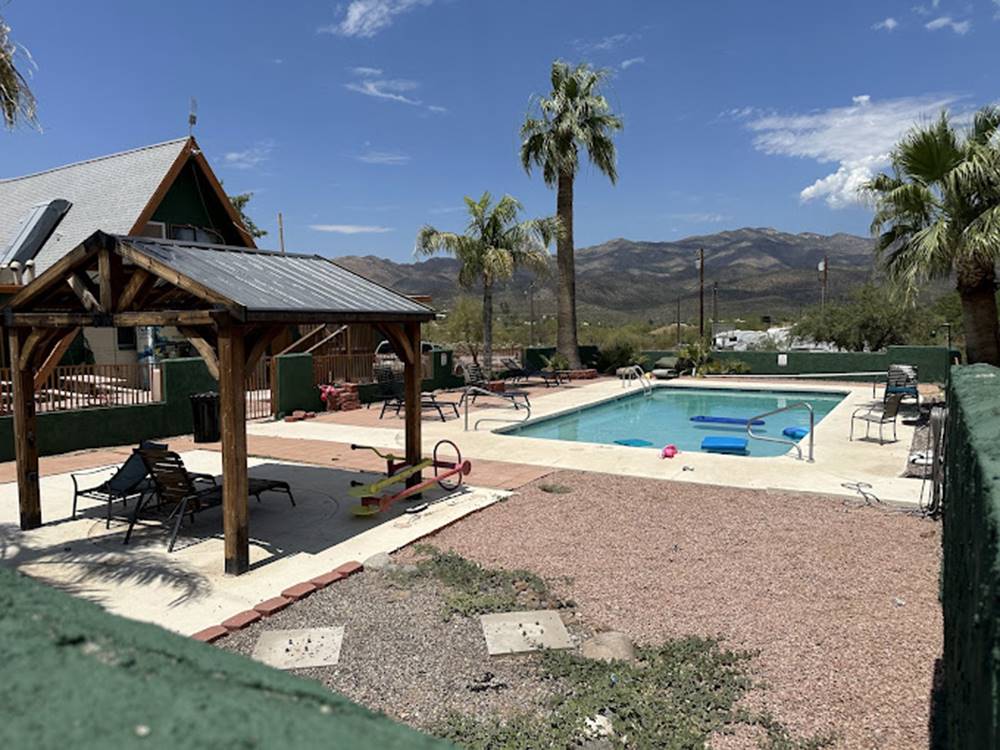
(665, 417)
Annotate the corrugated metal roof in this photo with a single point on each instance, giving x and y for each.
(107, 194)
(263, 281)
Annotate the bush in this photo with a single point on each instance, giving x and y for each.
(556, 362)
(618, 354)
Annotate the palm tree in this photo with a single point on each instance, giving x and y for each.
(493, 246)
(938, 214)
(17, 103)
(574, 116)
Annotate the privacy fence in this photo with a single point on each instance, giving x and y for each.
(966, 706)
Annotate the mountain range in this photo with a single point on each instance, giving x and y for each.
(759, 271)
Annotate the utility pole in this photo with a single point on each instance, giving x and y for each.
(715, 308)
(281, 233)
(678, 322)
(824, 268)
(531, 312)
(701, 293)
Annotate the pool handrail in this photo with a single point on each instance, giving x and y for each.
(783, 441)
(634, 373)
(476, 390)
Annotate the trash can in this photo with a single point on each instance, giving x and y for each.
(205, 414)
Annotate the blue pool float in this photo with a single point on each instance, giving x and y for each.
(725, 420)
(724, 445)
(795, 433)
(634, 442)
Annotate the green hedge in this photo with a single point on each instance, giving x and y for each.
(967, 700)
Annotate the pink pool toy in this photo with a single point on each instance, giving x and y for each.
(669, 451)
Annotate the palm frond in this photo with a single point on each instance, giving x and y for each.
(17, 102)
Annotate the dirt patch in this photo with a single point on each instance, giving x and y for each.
(840, 600)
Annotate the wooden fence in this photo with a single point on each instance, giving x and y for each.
(343, 368)
(258, 390)
(73, 387)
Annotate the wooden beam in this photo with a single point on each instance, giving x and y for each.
(55, 355)
(330, 338)
(25, 435)
(411, 392)
(54, 274)
(376, 318)
(82, 290)
(140, 280)
(109, 276)
(205, 349)
(302, 340)
(179, 280)
(399, 336)
(258, 344)
(166, 318)
(28, 345)
(232, 409)
(119, 320)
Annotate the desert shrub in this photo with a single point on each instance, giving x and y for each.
(556, 362)
(618, 354)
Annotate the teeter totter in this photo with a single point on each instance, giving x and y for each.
(448, 475)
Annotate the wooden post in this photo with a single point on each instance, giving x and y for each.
(411, 390)
(232, 408)
(25, 432)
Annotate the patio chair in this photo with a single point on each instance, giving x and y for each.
(391, 388)
(130, 480)
(902, 380)
(516, 371)
(174, 486)
(880, 414)
(474, 376)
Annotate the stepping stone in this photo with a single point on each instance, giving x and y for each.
(297, 649)
(520, 632)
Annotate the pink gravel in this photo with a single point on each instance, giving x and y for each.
(840, 600)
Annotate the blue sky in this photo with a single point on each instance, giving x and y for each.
(363, 120)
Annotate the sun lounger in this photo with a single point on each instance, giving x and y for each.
(129, 481)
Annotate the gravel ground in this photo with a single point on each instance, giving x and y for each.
(840, 600)
(399, 655)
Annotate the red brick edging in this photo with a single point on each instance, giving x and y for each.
(275, 604)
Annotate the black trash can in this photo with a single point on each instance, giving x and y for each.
(205, 412)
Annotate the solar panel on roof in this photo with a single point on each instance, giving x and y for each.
(33, 231)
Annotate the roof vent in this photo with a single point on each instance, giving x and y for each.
(33, 231)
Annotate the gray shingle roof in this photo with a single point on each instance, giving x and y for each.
(262, 281)
(107, 193)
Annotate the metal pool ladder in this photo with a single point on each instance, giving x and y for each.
(635, 373)
(783, 440)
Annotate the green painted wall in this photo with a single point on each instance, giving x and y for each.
(59, 432)
(295, 384)
(78, 677)
(966, 707)
(190, 200)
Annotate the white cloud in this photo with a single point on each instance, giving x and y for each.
(366, 72)
(606, 44)
(996, 15)
(888, 24)
(857, 139)
(626, 64)
(383, 157)
(701, 218)
(946, 22)
(350, 228)
(366, 18)
(389, 88)
(436, 109)
(248, 158)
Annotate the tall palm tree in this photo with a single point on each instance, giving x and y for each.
(17, 103)
(495, 243)
(938, 214)
(574, 116)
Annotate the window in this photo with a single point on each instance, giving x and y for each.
(126, 339)
(154, 229)
(188, 233)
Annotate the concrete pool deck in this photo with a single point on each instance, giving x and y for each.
(837, 460)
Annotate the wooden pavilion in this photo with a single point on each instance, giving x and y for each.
(231, 302)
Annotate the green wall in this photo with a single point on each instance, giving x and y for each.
(191, 200)
(966, 709)
(295, 385)
(78, 677)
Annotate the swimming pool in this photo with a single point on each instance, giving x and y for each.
(665, 417)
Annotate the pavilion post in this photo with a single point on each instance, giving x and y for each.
(25, 432)
(412, 378)
(232, 409)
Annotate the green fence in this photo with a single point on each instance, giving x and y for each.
(967, 700)
(78, 677)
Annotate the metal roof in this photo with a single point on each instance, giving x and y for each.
(108, 193)
(262, 281)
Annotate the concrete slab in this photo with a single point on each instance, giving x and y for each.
(300, 648)
(520, 632)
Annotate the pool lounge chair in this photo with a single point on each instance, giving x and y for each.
(902, 380)
(475, 376)
(391, 389)
(129, 481)
(174, 486)
(880, 414)
(516, 372)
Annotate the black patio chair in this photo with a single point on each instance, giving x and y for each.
(174, 485)
(880, 414)
(474, 376)
(129, 481)
(394, 398)
(518, 372)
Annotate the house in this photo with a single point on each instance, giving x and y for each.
(166, 190)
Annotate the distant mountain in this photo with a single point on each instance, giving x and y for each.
(758, 271)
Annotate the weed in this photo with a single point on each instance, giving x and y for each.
(555, 489)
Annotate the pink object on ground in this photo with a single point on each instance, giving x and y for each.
(669, 451)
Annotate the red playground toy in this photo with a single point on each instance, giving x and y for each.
(448, 475)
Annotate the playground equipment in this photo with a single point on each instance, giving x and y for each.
(448, 475)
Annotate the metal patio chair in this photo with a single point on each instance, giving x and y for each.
(516, 372)
(129, 481)
(474, 376)
(394, 398)
(880, 414)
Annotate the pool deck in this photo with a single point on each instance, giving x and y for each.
(837, 460)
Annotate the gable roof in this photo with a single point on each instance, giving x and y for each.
(113, 194)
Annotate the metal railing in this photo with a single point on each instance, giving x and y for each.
(78, 387)
(634, 374)
(258, 390)
(341, 368)
(782, 440)
(474, 390)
